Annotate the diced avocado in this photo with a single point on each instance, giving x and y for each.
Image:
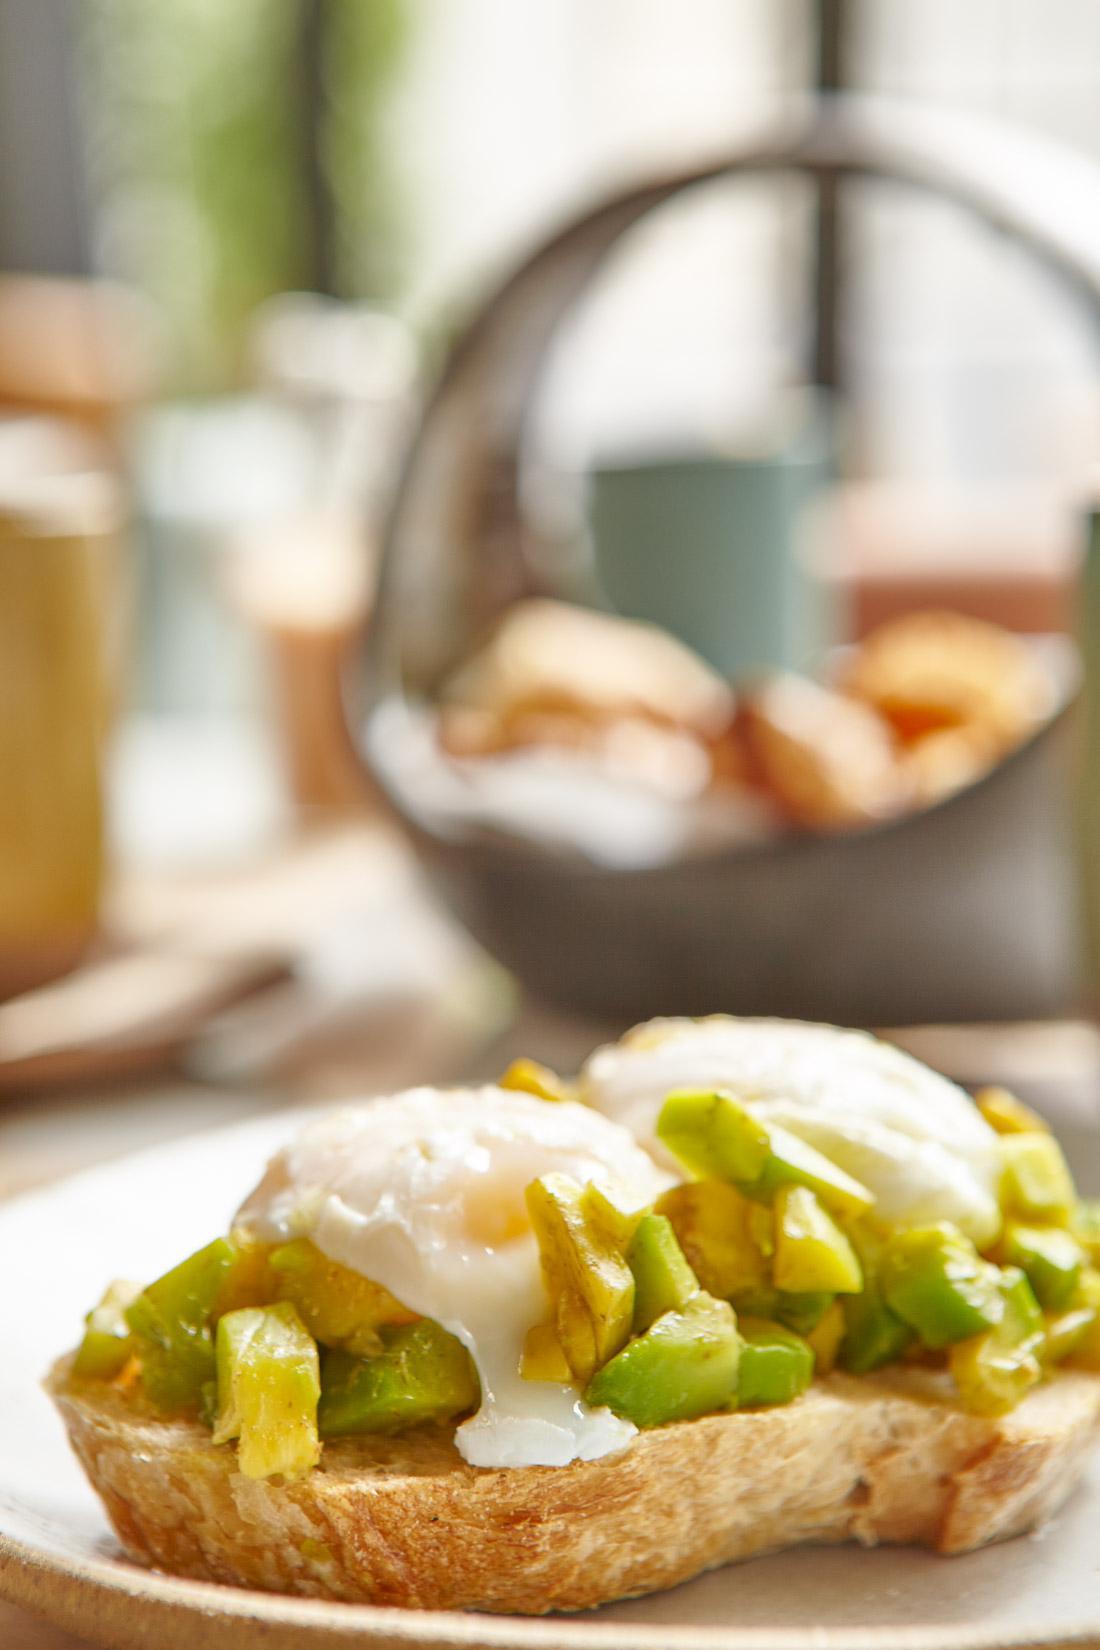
(339, 1307)
(529, 1077)
(1069, 1333)
(1051, 1258)
(994, 1370)
(591, 1287)
(715, 1137)
(715, 1226)
(683, 1366)
(873, 1334)
(106, 1345)
(422, 1374)
(543, 1358)
(1003, 1112)
(248, 1281)
(663, 1280)
(613, 1223)
(825, 1337)
(268, 1387)
(1084, 1353)
(802, 1313)
(794, 1163)
(934, 1280)
(775, 1366)
(1085, 1226)
(171, 1322)
(811, 1252)
(1036, 1183)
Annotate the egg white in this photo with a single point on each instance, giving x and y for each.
(912, 1137)
(424, 1193)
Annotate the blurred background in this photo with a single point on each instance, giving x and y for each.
(237, 246)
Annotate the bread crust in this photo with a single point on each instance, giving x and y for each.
(405, 1521)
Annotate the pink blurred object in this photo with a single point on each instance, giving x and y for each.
(1008, 554)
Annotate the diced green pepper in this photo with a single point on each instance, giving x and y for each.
(1068, 1333)
(529, 1077)
(683, 1366)
(1003, 1112)
(825, 1337)
(719, 1231)
(1084, 1353)
(612, 1222)
(106, 1345)
(171, 1322)
(994, 1370)
(1051, 1258)
(591, 1287)
(802, 1313)
(873, 1335)
(268, 1387)
(794, 1163)
(1036, 1183)
(775, 1364)
(422, 1374)
(663, 1280)
(714, 1136)
(933, 1278)
(811, 1252)
(1085, 1226)
(542, 1358)
(339, 1307)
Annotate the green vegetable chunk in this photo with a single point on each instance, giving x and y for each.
(873, 1334)
(422, 1374)
(811, 1252)
(1036, 1183)
(1085, 1225)
(1081, 1346)
(934, 1280)
(725, 1237)
(171, 1323)
(715, 1137)
(794, 1163)
(106, 1345)
(775, 1365)
(1051, 1258)
(663, 1280)
(582, 1239)
(800, 1312)
(1068, 1332)
(993, 1371)
(339, 1307)
(684, 1365)
(268, 1387)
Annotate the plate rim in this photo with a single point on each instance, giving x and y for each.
(28, 1576)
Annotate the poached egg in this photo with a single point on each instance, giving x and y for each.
(913, 1138)
(423, 1193)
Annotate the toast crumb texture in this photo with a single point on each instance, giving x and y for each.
(404, 1521)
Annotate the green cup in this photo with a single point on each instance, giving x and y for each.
(707, 544)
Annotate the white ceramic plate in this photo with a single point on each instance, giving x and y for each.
(57, 1554)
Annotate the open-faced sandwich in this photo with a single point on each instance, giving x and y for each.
(530, 1347)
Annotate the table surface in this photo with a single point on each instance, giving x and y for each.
(367, 1012)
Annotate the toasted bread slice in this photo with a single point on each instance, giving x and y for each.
(404, 1520)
